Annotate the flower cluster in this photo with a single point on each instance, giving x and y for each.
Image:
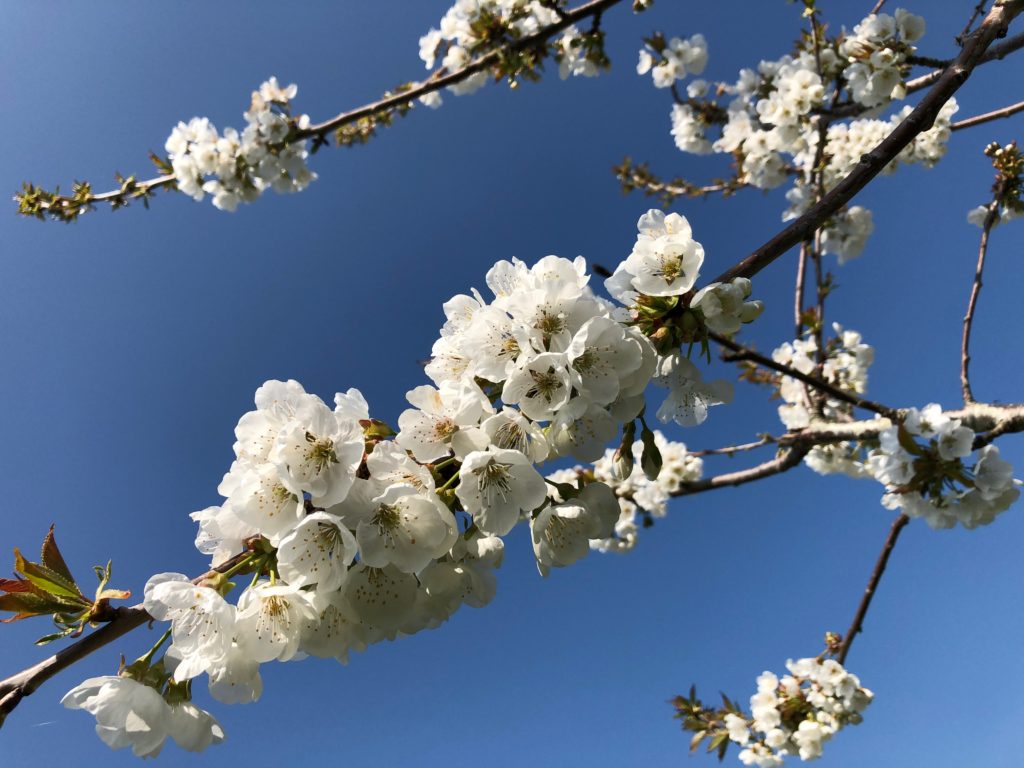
(552, 352)
(471, 28)
(356, 534)
(797, 714)
(925, 466)
(844, 363)
(664, 266)
(769, 119)
(671, 60)
(238, 167)
(875, 54)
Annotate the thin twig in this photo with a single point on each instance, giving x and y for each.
(995, 114)
(994, 53)
(766, 362)
(798, 291)
(978, 10)
(729, 450)
(786, 460)
(877, 8)
(869, 592)
(965, 356)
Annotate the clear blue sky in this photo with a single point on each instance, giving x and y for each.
(132, 343)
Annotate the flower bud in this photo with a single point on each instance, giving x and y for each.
(650, 459)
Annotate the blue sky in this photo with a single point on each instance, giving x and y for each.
(133, 341)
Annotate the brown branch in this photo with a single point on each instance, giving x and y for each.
(729, 450)
(798, 291)
(978, 10)
(994, 53)
(996, 419)
(788, 459)
(856, 625)
(947, 83)
(996, 114)
(877, 8)
(819, 384)
(1000, 419)
(965, 356)
(566, 19)
(24, 683)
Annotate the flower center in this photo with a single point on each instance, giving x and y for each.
(320, 452)
(545, 384)
(493, 479)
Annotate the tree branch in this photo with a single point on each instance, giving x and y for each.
(869, 592)
(947, 83)
(988, 116)
(965, 355)
(820, 384)
(786, 460)
(729, 450)
(24, 683)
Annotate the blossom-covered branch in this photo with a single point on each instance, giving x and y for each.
(874, 162)
(510, 46)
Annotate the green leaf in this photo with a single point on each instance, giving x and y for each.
(25, 604)
(55, 636)
(52, 557)
(45, 578)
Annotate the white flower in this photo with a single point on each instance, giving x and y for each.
(202, 622)
(510, 430)
(993, 476)
(128, 713)
(317, 452)
(496, 485)
(689, 395)
(270, 620)
(237, 679)
(600, 356)
(666, 259)
(431, 430)
(262, 501)
(317, 552)
(738, 729)
(406, 529)
(193, 729)
(540, 386)
(334, 631)
(581, 429)
(380, 597)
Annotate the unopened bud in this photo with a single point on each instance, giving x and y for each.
(650, 459)
(624, 455)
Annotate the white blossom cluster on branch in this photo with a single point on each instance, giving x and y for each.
(472, 27)
(768, 119)
(797, 714)
(926, 466)
(358, 534)
(237, 167)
